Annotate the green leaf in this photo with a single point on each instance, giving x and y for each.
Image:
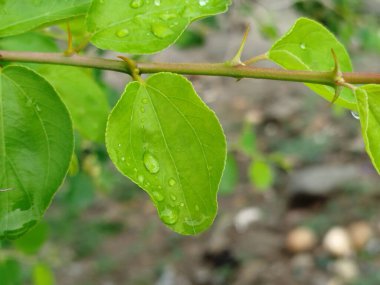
(145, 26)
(307, 46)
(43, 275)
(17, 17)
(247, 143)
(31, 41)
(33, 240)
(10, 272)
(368, 100)
(85, 99)
(36, 143)
(261, 174)
(83, 96)
(230, 176)
(165, 139)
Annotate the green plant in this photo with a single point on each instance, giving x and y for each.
(160, 134)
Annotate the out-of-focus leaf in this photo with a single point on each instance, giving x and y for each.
(261, 174)
(230, 176)
(43, 275)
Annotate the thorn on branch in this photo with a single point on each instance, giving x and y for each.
(339, 79)
(236, 60)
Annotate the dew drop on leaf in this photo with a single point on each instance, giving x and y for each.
(167, 16)
(137, 3)
(302, 46)
(142, 110)
(151, 163)
(182, 204)
(161, 31)
(140, 178)
(169, 216)
(122, 33)
(158, 196)
(145, 101)
(172, 182)
(195, 222)
(173, 197)
(355, 115)
(157, 2)
(203, 2)
(29, 102)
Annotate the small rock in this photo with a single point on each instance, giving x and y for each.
(334, 281)
(346, 269)
(337, 242)
(246, 217)
(323, 179)
(300, 239)
(360, 234)
(302, 260)
(250, 272)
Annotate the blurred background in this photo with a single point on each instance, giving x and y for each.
(299, 200)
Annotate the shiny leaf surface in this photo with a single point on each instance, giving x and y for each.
(165, 139)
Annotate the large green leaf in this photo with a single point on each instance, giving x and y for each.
(83, 96)
(307, 46)
(145, 26)
(36, 143)
(368, 101)
(164, 138)
(19, 16)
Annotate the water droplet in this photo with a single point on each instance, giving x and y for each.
(203, 2)
(119, 145)
(140, 178)
(302, 46)
(101, 1)
(29, 102)
(144, 101)
(168, 16)
(137, 3)
(195, 222)
(169, 216)
(123, 158)
(157, 2)
(174, 198)
(182, 204)
(161, 31)
(355, 115)
(151, 163)
(142, 110)
(122, 33)
(38, 108)
(172, 182)
(158, 196)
